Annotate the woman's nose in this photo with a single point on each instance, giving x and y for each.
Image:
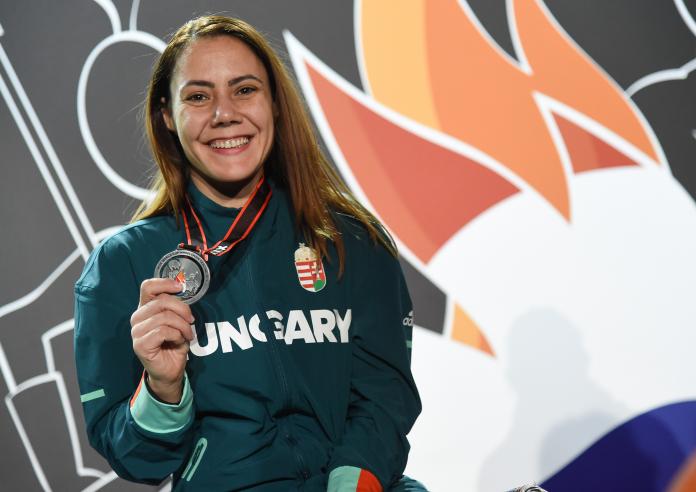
(225, 113)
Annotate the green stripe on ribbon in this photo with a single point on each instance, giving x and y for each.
(93, 395)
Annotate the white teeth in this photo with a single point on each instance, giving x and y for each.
(229, 144)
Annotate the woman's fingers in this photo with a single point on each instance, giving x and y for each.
(149, 349)
(154, 339)
(162, 303)
(161, 329)
(152, 287)
(163, 318)
(162, 351)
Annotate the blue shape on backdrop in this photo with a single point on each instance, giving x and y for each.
(641, 455)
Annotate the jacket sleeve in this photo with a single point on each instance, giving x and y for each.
(142, 438)
(384, 401)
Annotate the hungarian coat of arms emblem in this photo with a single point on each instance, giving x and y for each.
(310, 270)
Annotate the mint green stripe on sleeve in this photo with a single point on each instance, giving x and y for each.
(409, 343)
(343, 479)
(160, 418)
(92, 395)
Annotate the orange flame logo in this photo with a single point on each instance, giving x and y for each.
(451, 125)
(437, 66)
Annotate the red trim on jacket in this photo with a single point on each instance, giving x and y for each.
(367, 482)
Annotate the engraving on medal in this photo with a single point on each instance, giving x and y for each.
(187, 268)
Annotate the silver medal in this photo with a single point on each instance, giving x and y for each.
(189, 269)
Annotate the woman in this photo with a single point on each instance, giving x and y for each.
(269, 351)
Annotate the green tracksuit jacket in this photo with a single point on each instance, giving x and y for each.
(286, 388)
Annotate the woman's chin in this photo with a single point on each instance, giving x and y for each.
(228, 178)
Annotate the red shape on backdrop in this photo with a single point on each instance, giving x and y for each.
(425, 193)
(587, 151)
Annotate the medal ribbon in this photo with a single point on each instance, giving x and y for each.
(240, 228)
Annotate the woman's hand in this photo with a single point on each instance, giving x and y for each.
(161, 332)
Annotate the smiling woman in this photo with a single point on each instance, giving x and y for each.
(221, 108)
(268, 351)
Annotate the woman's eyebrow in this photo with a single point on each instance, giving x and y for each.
(231, 82)
(203, 83)
(241, 78)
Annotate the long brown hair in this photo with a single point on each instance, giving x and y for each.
(295, 161)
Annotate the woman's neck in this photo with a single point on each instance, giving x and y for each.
(230, 195)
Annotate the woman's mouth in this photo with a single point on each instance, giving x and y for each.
(231, 143)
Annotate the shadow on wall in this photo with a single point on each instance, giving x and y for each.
(559, 407)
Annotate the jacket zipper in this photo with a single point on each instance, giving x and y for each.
(277, 364)
(284, 387)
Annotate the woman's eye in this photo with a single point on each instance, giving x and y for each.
(196, 97)
(245, 91)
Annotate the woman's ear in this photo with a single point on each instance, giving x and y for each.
(167, 116)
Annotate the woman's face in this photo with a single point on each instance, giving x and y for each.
(222, 111)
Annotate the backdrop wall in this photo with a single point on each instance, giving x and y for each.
(534, 161)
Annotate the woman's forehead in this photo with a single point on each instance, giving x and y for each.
(219, 55)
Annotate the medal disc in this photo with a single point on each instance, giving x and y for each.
(189, 269)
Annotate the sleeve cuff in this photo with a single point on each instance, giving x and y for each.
(352, 479)
(158, 417)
